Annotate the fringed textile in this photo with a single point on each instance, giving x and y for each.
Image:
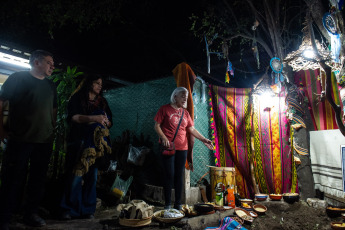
(322, 114)
(294, 183)
(96, 145)
(231, 130)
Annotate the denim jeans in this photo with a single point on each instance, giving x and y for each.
(14, 174)
(79, 198)
(174, 170)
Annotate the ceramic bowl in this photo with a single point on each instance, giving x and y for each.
(247, 201)
(260, 209)
(291, 197)
(334, 211)
(276, 196)
(261, 197)
(244, 215)
(203, 208)
(338, 225)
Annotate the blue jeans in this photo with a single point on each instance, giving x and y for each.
(174, 168)
(79, 198)
(14, 175)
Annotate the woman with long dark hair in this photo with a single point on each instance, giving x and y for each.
(89, 118)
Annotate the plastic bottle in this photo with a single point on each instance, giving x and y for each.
(231, 197)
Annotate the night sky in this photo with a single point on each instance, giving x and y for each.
(149, 47)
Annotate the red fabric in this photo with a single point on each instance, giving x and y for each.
(168, 118)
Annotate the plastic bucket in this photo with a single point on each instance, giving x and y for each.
(223, 175)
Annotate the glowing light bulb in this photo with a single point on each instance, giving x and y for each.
(308, 53)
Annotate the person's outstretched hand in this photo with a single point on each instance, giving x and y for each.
(208, 143)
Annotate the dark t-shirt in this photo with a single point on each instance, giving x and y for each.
(31, 107)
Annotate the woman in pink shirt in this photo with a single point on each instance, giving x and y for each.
(167, 120)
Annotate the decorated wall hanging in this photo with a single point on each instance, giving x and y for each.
(232, 129)
(277, 68)
(330, 24)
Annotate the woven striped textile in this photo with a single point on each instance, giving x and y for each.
(322, 113)
(233, 126)
(273, 158)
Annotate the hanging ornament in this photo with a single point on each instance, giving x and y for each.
(329, 22)
(256, 52)
(277, 68)
(276, 65)
(229, 71)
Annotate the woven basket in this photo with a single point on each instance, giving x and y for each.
(157, 217)
(135, 222)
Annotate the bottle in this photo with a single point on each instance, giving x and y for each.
(231, 197)
(225, 196)
(219, 197)
(237, 198)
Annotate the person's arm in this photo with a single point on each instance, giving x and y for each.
(196, 134)
(54, 117)
(102, 119)
(164, 139)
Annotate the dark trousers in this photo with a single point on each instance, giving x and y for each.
(16, 159)
(79, 196)
(174, 168)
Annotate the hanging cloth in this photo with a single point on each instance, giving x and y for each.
(185, 77)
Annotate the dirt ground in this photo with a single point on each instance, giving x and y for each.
(279, 215)
(295, 216)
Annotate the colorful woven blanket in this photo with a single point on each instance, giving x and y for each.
(233, 125)
(322, 113)
(228, 224)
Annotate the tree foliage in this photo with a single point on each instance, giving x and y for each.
(275, 25)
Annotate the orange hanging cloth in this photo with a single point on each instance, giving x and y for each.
(185, 77)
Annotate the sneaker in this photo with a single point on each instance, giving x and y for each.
(167, 207)
(66, 216)
(34, 220)
(88, 216)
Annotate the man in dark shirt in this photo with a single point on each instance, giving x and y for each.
(32, 117)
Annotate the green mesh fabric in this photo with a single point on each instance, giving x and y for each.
(135, 106)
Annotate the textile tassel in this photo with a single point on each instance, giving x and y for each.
(229, 71)
(213, 126)
(227, 77)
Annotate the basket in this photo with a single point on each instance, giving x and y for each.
(135, 222)
(157, 217)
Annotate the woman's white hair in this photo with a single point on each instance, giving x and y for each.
(177, 91)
